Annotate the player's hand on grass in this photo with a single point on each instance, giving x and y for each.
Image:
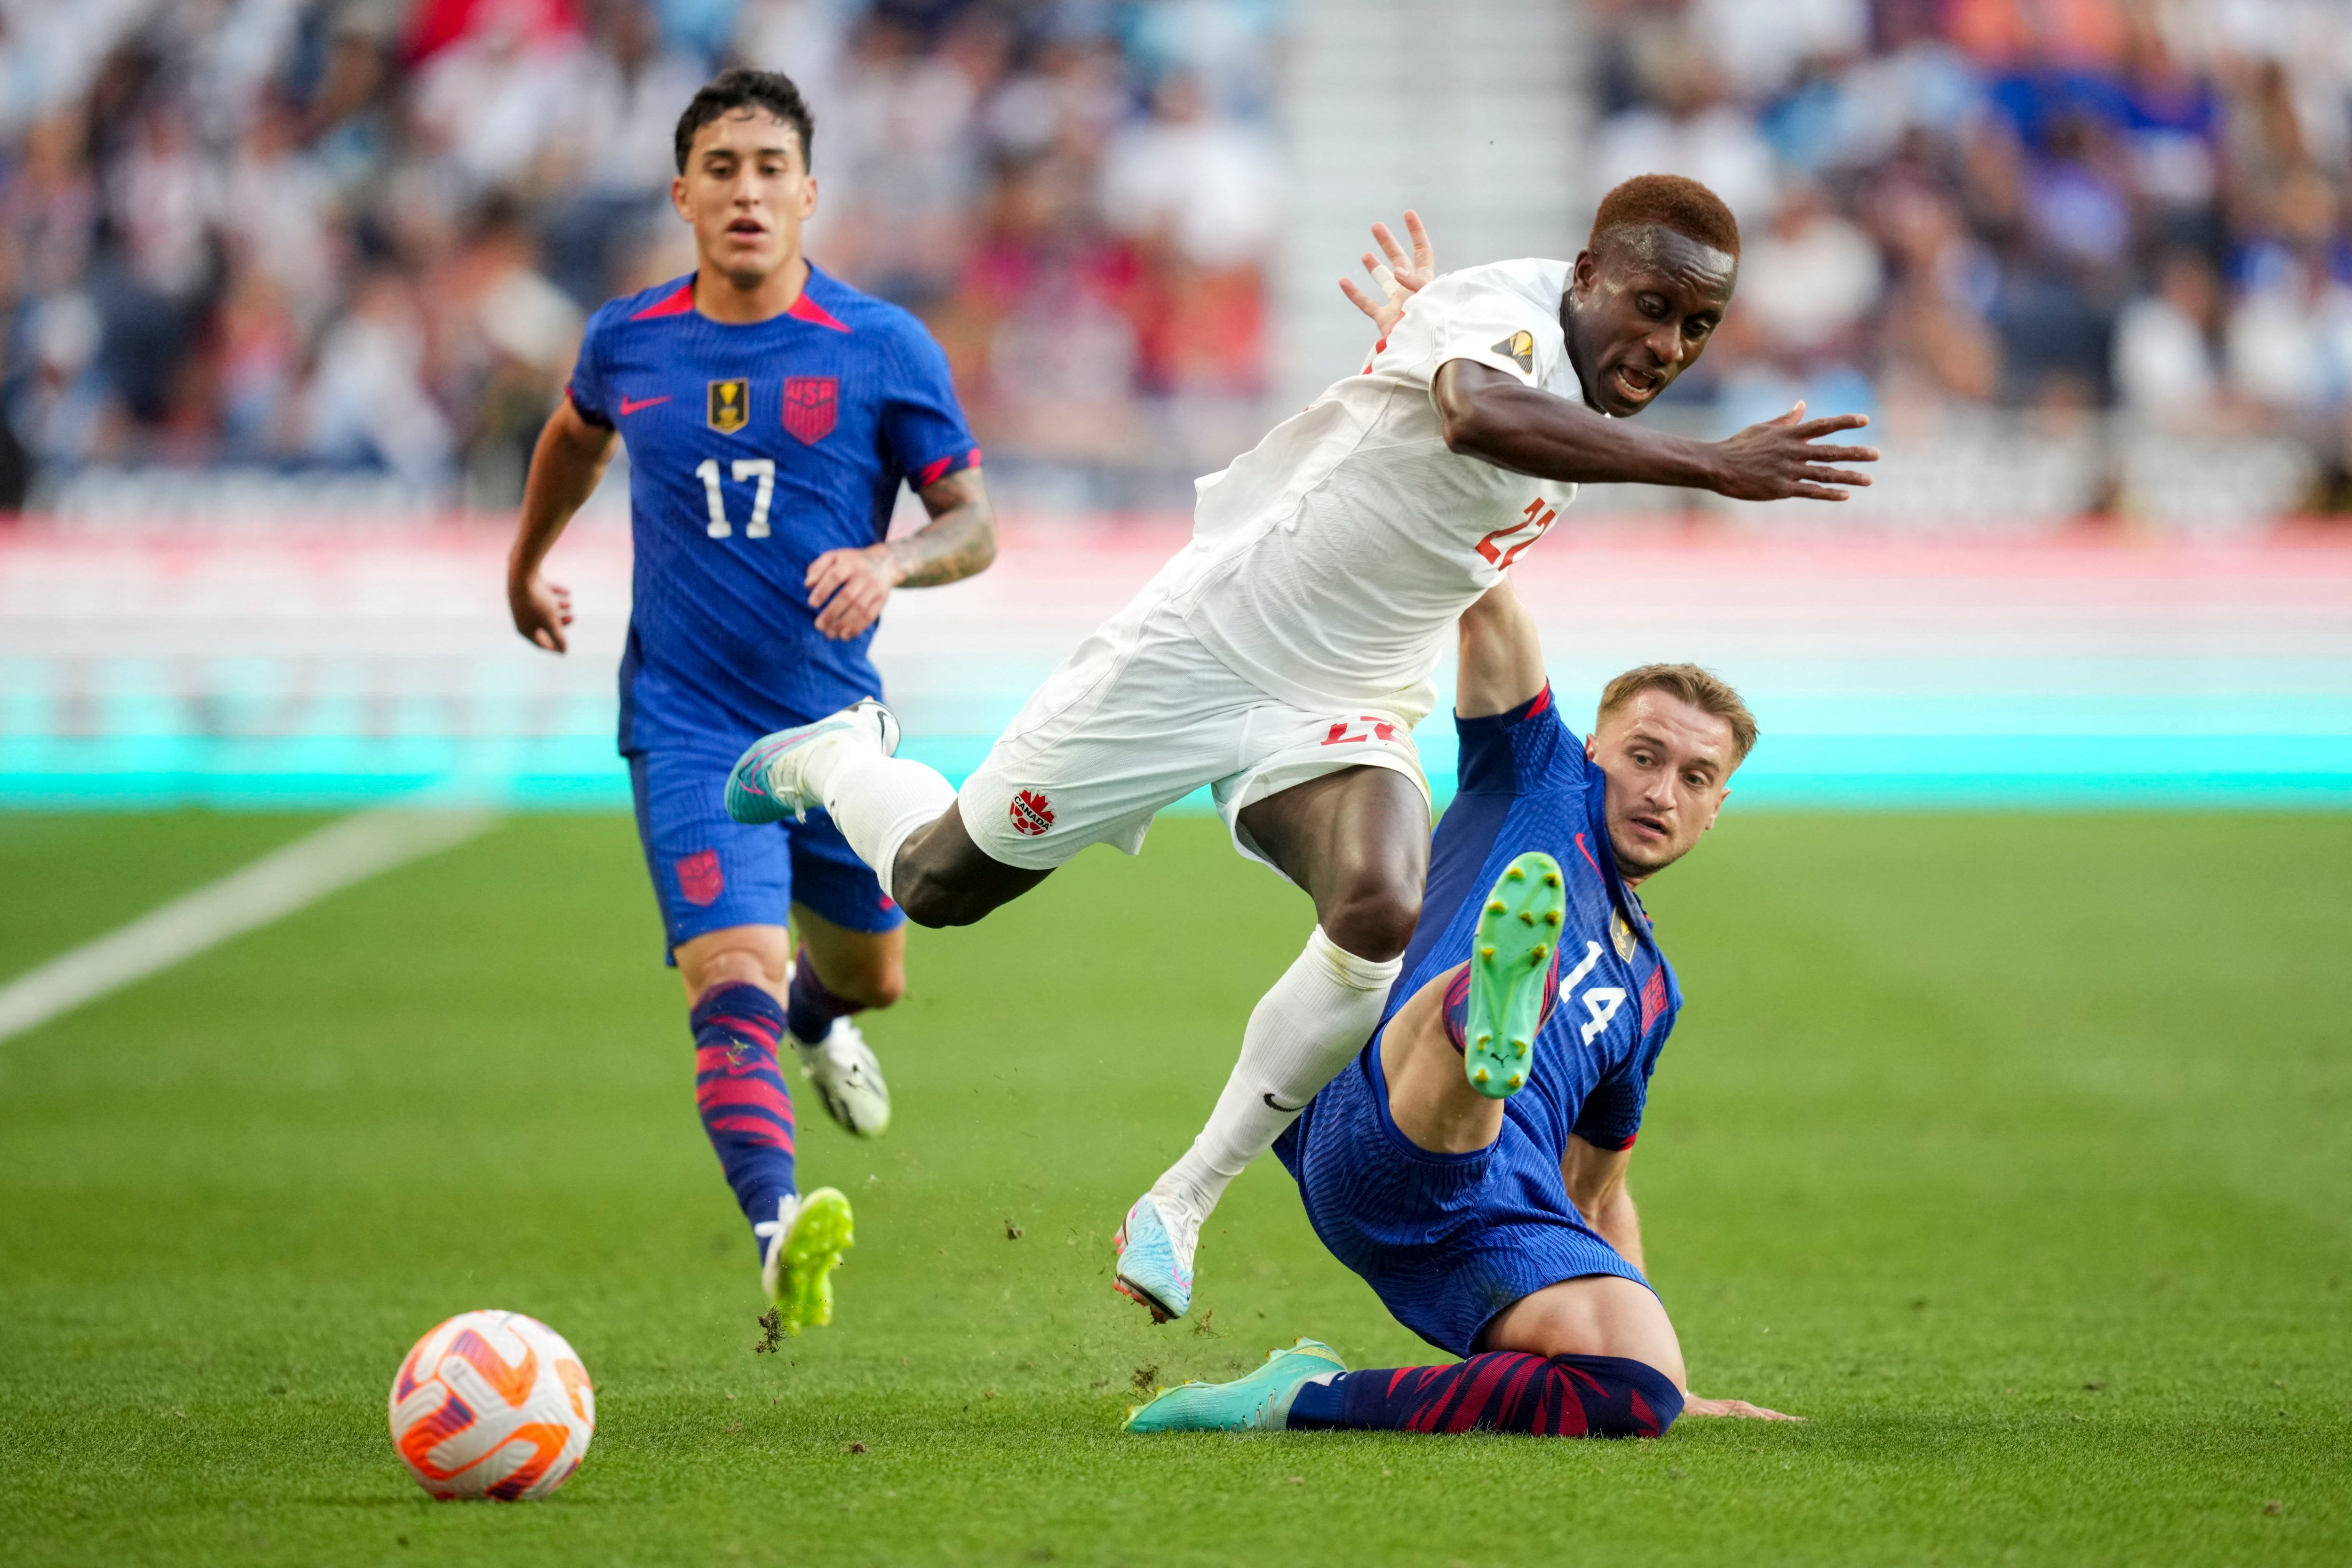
(846, 587)
(1694, 1405)
(1777, 460)
(1398, 278)
(541, 610)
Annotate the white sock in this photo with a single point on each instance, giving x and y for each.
(1302, 1032)
(876, 801)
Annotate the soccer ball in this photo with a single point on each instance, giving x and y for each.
(492, 1404)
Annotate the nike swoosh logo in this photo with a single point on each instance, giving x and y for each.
(644, 403)
(1279, 1105)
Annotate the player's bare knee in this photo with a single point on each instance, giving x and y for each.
(1374, 920)
(877, 987)
(726, 966)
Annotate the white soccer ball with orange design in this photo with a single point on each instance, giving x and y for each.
(492, 1404)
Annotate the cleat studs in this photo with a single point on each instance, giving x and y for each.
(1552, 917)
(1495, 907)
(1535, 958)
(1515, 874)
(1551, 879)
(1485, 1039)
(1518, 1048)
(1526, 917)
(1513, 1080)
(1479, 1076)
(1485, 952)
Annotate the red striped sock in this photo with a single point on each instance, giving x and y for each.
(746, 1110)
(1501, 1391)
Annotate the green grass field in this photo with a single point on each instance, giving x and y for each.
(2011, 1151)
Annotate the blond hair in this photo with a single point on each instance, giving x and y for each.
(1703, 689)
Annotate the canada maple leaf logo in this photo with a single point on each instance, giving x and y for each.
(1032, 813)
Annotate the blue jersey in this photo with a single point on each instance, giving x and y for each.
(753, 449)
(1450, 1240)
(1526, 784)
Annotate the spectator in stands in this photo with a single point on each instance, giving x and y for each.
(359, 232)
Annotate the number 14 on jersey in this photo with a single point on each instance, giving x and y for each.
(763, 469)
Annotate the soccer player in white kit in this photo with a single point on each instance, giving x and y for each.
(1284, 655)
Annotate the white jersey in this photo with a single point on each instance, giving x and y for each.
(1329, 565)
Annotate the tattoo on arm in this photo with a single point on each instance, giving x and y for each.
(958, 540)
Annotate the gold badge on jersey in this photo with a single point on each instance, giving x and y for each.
(1621, 935)
(1519, 348)
(731, 405)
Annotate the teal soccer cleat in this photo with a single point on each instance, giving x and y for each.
(1258, 1403)
(765, 785)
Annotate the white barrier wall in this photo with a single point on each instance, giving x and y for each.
(341, 665)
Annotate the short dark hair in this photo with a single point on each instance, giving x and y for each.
(1672, 202)
(744, 89)
(1703, 689)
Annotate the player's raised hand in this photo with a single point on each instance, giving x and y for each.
(1777, 460)
(541, 611)
(1694, 1405)
(1398, 278)
(847, 587)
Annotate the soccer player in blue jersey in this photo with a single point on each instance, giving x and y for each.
(770, 415)
(1471, 1164)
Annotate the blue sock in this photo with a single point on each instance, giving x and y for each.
(809, 1008)
(1501, 1391)
(746, 1110)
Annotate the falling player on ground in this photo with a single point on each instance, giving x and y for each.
(1283, 657)
(770, 415)
(1470, 1162)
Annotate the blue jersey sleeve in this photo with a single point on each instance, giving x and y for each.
(1610, 1116)
(923, 427)
(1528, 749)
(588, 390)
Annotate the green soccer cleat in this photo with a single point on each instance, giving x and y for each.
(1511, 966)
(1260, 1402)
(805, 1241)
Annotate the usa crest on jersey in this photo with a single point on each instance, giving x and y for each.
(811, 403)
(731, 404)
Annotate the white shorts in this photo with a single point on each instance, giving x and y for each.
(1139, 718)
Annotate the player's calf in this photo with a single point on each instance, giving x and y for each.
(747, 1111)
(940, 877)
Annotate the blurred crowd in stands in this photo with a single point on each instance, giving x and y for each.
(2061, 207)
(309, 236)
(328, 236)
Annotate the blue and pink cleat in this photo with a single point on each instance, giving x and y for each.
(765, 784)
(1155, 1244)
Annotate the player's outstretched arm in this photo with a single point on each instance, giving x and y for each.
(847, 587)
(1495, 417)
(1595, 1178)
(1596, 1185)
(564, 468)
(1502, 658)
(1694, 1405)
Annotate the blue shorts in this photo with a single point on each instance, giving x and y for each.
(1447, 1242)
(711, 872)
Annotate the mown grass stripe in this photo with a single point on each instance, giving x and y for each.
(276, 886)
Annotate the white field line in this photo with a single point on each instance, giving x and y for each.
(279, 883)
